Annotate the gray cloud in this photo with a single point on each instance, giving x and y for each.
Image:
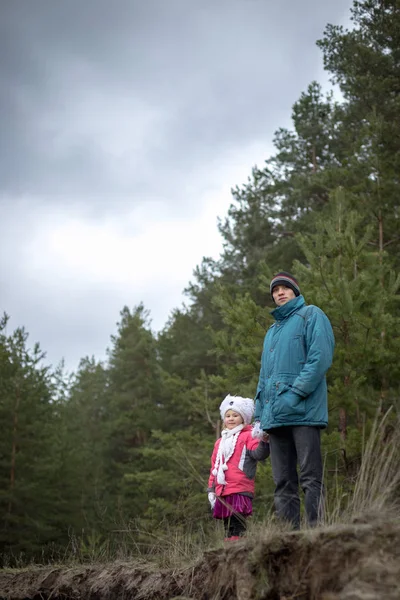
(110, 106)
(213, 74)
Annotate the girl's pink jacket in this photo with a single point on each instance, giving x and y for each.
(241, 466)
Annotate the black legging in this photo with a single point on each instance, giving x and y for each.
(235, 525)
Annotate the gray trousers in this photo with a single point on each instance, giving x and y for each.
(289, 446)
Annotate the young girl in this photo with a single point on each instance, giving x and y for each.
(233, 466)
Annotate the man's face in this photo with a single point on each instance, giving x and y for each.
(282, 294)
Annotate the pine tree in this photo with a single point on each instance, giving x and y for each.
(135, 400)
(305, 154)
(343, 277)
(365, 63)
(83, 449)
(26, 446)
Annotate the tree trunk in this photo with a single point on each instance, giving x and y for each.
(314, 159)
(14, 446)
(384, 385)
(343, 424)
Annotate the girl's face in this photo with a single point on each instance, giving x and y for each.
(232, 419)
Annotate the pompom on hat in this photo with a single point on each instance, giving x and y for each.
(284, 278)
(243, 406)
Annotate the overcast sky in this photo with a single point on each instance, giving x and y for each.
(124, 125)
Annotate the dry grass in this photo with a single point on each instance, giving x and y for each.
(378, 479)
(377, 487)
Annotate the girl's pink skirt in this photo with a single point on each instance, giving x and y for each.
(225, 506)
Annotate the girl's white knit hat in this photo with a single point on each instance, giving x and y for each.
(243, 406)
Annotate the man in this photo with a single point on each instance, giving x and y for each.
(291, 399)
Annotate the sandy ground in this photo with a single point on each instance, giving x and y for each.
(354, 562)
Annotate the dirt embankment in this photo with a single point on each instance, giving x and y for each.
(359, 561)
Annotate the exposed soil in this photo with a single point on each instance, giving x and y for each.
(354, 562)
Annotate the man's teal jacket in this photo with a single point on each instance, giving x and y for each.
(298, 351)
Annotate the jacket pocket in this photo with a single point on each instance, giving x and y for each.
(288, 405)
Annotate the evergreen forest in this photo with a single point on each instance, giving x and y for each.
(117, 454)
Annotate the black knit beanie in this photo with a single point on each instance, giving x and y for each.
(284, 278)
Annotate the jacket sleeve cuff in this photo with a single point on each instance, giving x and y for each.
(299, 392)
